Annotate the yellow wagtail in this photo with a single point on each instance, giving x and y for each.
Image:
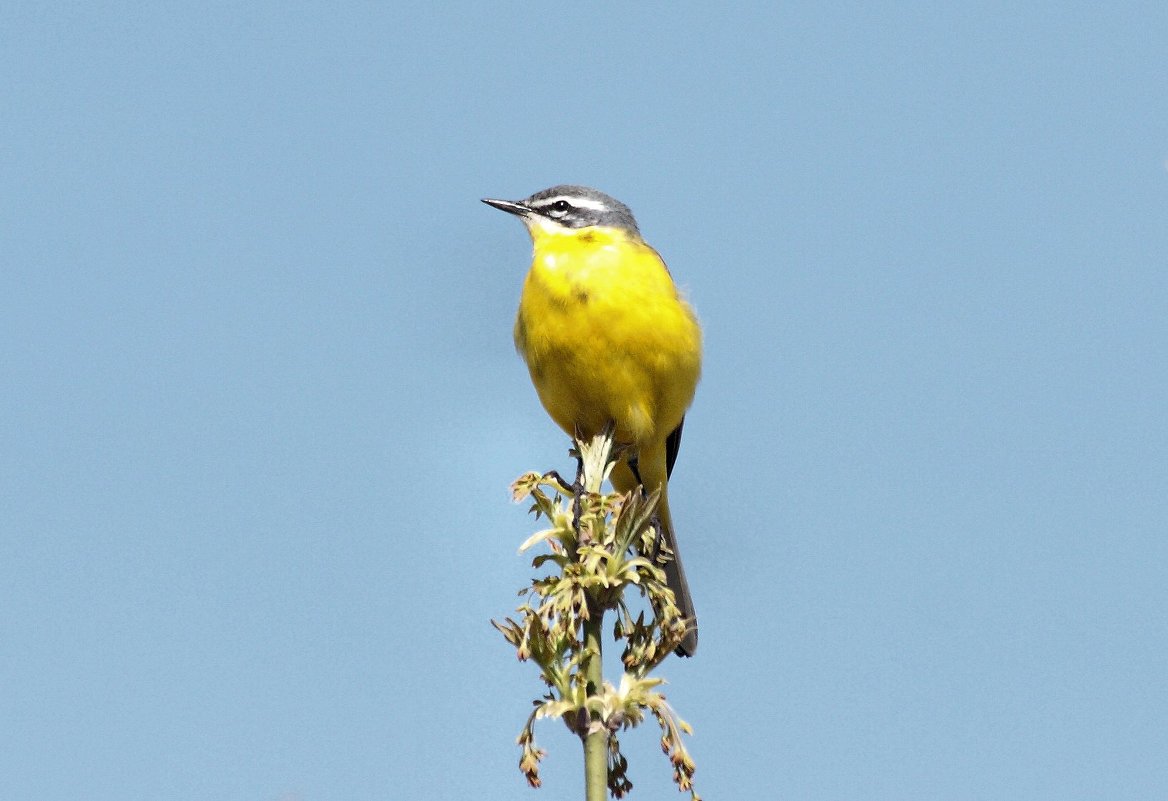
(607, 337)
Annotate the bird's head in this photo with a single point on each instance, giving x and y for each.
(566, 209)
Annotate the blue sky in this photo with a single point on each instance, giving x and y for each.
(261, 407)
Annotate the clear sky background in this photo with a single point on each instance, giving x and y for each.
(260, 407)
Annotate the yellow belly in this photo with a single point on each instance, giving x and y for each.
(606, 336)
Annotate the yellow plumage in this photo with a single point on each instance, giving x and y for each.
(606, 335)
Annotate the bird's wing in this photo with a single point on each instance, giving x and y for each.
(672, 446)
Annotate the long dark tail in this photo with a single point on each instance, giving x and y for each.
(675, 577)
(652, 469)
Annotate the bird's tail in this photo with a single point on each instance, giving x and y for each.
(675, 578)
(652, 472)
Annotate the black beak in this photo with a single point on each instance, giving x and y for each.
(509, 206)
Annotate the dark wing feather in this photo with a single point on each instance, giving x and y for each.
(672, 446)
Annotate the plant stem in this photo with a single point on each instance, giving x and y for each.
(596, 738)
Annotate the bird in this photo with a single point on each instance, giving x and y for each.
(608, 338)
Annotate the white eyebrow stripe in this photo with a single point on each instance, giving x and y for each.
(578, 202)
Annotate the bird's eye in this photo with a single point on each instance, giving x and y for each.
(561, 207)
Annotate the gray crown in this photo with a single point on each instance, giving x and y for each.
(581, 206)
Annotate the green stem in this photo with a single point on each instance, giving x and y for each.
(596, 739)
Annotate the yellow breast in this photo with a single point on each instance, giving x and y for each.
(606, 335)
